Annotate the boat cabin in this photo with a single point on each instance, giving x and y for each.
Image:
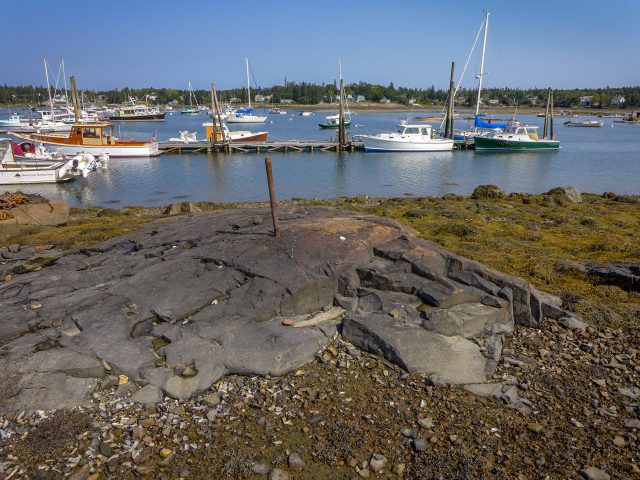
(516, 128)
(93, 134)
(405, 130)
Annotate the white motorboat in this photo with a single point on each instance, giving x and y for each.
(586, 123)
(15, 123)
(27, 153)
(185, 137)
(407, 138)
(305, 113)
(277, 111)
(13, 172)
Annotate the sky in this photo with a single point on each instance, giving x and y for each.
(560, 44)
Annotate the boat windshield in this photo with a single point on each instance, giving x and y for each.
(90, 133)
(400, 129)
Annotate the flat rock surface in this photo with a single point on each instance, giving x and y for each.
(189, 299)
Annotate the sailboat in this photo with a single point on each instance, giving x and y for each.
(480, 126)
(245, 116)
(191, 110)
(333, 121)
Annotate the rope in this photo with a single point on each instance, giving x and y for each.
(9, 201)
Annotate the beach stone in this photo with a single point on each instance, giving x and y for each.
(53, 212)
(295, 461)
(148, 394)
(278, 474)
(420, 444)
(570, 193)
(260, 468)
(377, 462)
(593, 473)
(38, 261)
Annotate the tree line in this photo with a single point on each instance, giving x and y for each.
(311, 94)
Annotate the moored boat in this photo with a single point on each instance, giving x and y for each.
(136, 113)
(407, 138)
(515, 136)
(95, 138)
(586, 123)
(235, 136)
(333, 121)
(13, 172)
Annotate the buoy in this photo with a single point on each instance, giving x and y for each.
(292, 119)
(611, 126)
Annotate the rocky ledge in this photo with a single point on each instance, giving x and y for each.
(189, 299)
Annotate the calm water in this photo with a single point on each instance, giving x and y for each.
(593, 160)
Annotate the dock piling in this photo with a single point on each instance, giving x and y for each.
(272, 197)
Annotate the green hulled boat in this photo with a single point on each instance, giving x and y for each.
(333, 121)
(515, 136)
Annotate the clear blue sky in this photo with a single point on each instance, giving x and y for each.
(162, 43)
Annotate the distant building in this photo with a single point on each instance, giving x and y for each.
(349, 97)
(385, 100)
(587, 101)
(286, 100)
(234, 100)
(335, 98)
(410, 102)
(618, 100)
(60, 98)
(265, 98)
(152, 96)
(173, 102)
(533, 100)
(359, 98)
(324, 98)
(494, 102)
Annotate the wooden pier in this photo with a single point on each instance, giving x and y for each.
(265, 147)
(288, 146)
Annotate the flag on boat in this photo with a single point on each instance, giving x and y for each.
(153, 139)
(554, 136)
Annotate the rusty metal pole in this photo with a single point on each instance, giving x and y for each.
(272, 197)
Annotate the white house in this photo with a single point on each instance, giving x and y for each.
(618, 100)
(359, 98)
(587, 101)
(265, 98)
(494, 102)
(60, 98)
(385, 100)
(286, 100)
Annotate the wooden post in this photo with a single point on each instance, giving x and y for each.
(214, 135)
(341, 140)
(451, 97)
(74, 98)
(213, 113)
(272, 197)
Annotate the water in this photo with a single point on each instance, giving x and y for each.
(593, 160)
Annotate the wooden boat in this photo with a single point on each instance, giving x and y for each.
(95, 138)
(13, 172)
(407, 138)
(236, 136)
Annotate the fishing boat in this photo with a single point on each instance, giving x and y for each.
(333, 121)
(407, 138)
(586, 123)
(136, 113)
(305, 113)
(95, 138)
(515, 136)
(277, 111)
(15, 123)
(236, 136)
(246, 116)
(13, 172)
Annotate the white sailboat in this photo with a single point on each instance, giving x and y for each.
(191, 110)
(245, 116)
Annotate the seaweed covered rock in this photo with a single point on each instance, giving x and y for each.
(491, 192)
(569, 193)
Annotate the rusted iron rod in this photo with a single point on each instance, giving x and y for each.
(272, 197)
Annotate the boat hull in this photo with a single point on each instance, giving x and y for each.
(587, 125)
(377, 144)
(140, 150)
(246, 119)
(20, 174)
(485, 143)
(248, 137)
(334, 125)
(155, 117)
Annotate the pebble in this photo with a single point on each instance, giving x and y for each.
(295, 461)
(278, 474)
(420, 444)
(593, 473)
(377, 462)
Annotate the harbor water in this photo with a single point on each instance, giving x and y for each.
(593, 160)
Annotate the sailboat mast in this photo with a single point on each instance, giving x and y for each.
(484, 46)
(248, 85)
(64, 77)
(46, 71)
